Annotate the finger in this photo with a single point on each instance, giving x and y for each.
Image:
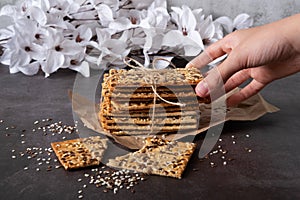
(251, 89)
(216, 77)
(212, 85)
(212, 52)
(237, 79)
(200, 61)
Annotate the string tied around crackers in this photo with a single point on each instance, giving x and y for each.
(152, 82)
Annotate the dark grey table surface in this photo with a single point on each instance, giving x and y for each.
(270, 171)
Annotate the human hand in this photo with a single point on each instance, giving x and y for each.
(264, 53)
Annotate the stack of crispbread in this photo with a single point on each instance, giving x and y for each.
(129, 105)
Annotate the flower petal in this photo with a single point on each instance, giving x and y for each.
(194, 37)
(188, 19)
(172, 38)
(83, 68)
(55, 60)
(120, 24)
(70, 47)
(13, 69)
(191, 50)
(242, 21)
(5, 59)
(226, 23)
(38, 15)
(30, 69)
(20, 58)
(105, 14)
(207, 28)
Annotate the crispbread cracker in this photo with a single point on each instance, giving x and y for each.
(157, 157)
(113, 106)
(147, 114)
(81, 152)
(148, 121)
(166, 77)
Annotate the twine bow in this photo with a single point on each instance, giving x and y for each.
(152, 81)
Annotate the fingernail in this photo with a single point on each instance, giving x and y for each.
(202, 89)
(189, 65)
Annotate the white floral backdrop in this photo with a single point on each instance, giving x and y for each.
(82, 34)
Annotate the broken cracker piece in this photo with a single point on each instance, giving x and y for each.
(158, 157)
(81, 152)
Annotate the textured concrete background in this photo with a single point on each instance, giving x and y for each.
(263, 11)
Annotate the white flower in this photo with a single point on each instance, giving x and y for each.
(241, 21)
(186, 35)
(127, 19)
(112, 51)
(207, 29)
(82, 35)
(156, 16)
(23, 55)
(76, 62)
(58, 48)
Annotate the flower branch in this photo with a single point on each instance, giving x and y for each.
(79, 34)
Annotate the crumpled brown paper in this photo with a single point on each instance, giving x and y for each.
(250, 109)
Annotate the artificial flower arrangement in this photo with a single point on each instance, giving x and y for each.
(82, 34)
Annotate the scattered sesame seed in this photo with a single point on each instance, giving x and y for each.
(247, 136)
(13, 150)
(13, 157)
(80, 196)
(232, 136)
(224, 163)
(212, 164)
(1, 121)
(79, 180)
(79, 191)
(233, 142)
(249, 150)
(25, 168)
(36, 122)
(220, 140)
(23, 142)
(115, 190)
(37, 169)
